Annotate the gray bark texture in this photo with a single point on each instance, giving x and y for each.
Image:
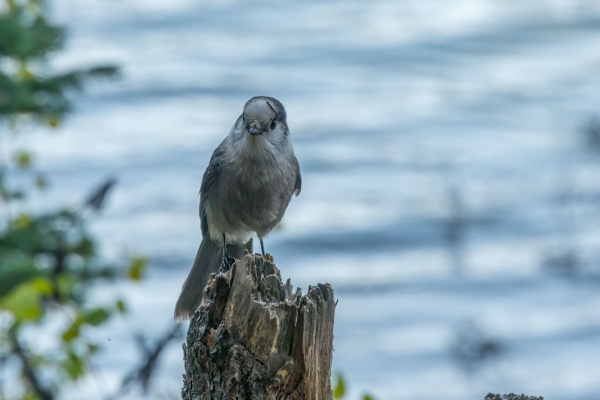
(254, 338)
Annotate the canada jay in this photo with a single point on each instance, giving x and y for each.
(246, 189)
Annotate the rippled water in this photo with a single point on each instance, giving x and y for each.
(444, 165)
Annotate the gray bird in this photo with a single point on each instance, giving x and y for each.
(246, 189)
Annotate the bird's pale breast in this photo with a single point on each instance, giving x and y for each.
(252, 199)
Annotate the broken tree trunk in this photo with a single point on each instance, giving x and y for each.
(253, 338)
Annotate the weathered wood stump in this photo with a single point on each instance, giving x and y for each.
(511, 396)
(253, 338)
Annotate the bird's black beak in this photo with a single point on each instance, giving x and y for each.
(255, 128)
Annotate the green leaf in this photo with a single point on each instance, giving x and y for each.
(121, 307)
(92, 348)
(16, 268)
(44, 98)
(42, 286)
(23, 159)
(339, 390)
(73, 366)
(137, 268)
(24, 38)
(25, 74)
(368, 397)
(53, 121)
(85, 247)
(96, 316)
(25, 301)
(92, 317)
(23, 221)
(73, 331)
(65, 283)
(30, 396)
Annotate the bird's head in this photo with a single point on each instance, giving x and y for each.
(263, 117)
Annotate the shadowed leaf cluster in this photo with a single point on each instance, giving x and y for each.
(48, 262)
(27, 37)
(26, 87)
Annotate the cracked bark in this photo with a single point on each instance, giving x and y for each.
(254, 338)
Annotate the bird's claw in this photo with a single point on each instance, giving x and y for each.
(227, 261)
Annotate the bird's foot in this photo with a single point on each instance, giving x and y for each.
(227, 261)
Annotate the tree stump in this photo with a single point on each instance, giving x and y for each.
(253, 338)
(511, 396)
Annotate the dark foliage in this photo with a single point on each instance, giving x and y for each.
(48, 262)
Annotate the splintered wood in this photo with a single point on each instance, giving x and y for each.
(254, 338)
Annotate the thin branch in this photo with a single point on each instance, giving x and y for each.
(143, 374)
(29, 372)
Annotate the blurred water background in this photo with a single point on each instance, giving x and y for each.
(451, 177)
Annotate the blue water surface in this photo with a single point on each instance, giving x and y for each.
(446, 168)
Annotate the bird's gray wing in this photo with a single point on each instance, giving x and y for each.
(298, 184)
(211, 175)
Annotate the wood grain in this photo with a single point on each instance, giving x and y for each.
(255, 338)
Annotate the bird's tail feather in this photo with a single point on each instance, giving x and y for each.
(208, 260)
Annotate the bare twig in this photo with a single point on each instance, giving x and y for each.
(143, 373)
(29, 371)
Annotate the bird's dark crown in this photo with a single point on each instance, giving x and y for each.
(266, 108)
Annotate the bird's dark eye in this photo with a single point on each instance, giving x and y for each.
(273, 123)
